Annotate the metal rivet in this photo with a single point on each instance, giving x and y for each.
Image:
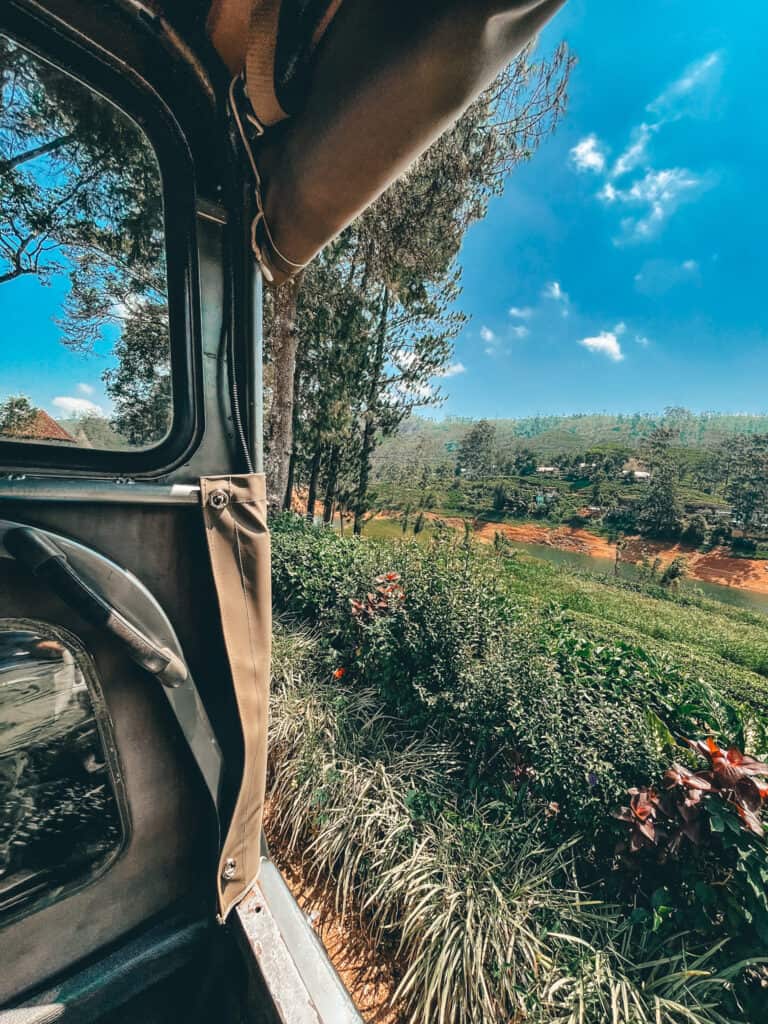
(230, 867)
(219, 499)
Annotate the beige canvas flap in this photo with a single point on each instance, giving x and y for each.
(235, 516)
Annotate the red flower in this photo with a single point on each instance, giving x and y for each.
(388, 577)
(339, 673)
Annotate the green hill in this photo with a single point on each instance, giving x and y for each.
(430, 441)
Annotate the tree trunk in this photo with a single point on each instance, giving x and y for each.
(364, 470)
(314, 476)
(330, 485)
(289, 485)
(369, 432)
(279, 432)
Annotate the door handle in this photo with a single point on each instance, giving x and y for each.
(48, 563)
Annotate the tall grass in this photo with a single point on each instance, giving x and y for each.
(485, 917)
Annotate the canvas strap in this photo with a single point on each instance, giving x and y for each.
(235, 517)
(253, 24)
(260, 62)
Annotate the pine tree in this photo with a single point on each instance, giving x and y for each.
(660, 513)
(386, 311)
(476, 451)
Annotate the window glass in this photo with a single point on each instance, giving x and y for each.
(85, 356)
(59, 818)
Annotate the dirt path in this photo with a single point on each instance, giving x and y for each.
(368, 973)
(714, 566)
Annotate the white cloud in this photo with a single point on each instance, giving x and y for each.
(662, 192)
(642, 341)
(520, 312)
(663, 186)
(72, 406)
(692, 90)
(690, 265)
(605, 343)
(453, 370)
(588, 155)
(520, 331)
(487, 334)
(85, 389)
(553, 291)
(636, 151)
(620, 328)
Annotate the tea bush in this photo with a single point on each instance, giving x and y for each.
(499, 709)
(533, 698)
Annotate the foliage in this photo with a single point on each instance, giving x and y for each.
(372, 326)
(665, 819)
(81, 201)
(674, 572)
(468, 653)
(482, 910)
(696, 530)
(748, 486)
(16, 413)
(697, 856)
(475, 456)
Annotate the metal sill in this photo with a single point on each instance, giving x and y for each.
(293, 965)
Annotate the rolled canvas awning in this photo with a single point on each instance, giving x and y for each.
(373, 83)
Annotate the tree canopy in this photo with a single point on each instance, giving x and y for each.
(81, 200)
(367, 335)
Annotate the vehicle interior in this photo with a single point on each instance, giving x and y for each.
(134, 559)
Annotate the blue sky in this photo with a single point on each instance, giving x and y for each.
(36, 364)
(624, 267)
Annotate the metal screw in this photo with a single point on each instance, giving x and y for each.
(219, 499)
(230, 867)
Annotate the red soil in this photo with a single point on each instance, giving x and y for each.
(714, 566)
(368, 972)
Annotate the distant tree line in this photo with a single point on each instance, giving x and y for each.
(697, 494)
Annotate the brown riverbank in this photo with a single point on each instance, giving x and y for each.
(715, 566)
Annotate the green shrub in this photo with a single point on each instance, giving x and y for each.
(530, 698)
(696, 530)
(485, 916)
(497, 697)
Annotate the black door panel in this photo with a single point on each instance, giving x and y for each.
(169, 852)
(165, 548)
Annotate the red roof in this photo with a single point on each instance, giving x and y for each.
(41, 428)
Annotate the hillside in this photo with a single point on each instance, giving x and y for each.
(426, 440)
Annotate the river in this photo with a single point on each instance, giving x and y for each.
(592, 563)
